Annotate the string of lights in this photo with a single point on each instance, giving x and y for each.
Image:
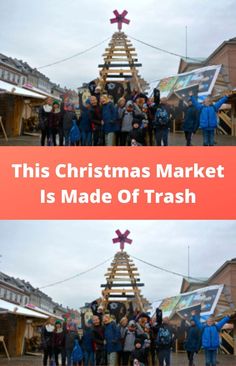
(75, 55)
(75, 276)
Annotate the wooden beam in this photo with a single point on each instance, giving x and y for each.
(131, 64)
(123, 285)
(125, 296)
(120, 291)
(118, 54)
(122, 274)
(119, 71)
(120, 49)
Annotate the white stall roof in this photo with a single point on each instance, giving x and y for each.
(36, 308)
(16, 90)
(39, 91)
(7, 307)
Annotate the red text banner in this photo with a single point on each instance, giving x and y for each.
(117, 183)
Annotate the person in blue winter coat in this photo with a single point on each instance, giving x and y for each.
(191, 122)
(85, 122)
(192, 343)
(87, 345)
(210, 337)
(208, 117)
(109, 116)
(112, 340)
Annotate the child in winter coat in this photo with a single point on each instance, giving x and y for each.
(208, 117)
(210, 337)
(137, 134)
(138, 356)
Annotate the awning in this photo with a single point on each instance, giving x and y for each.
(42, 311)
(39, 91)
(16, 90)
(9, 308)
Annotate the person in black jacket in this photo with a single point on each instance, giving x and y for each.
(139, 355)
(47, 340)
(161, 123)
(98, 341)
(96, 120)
(192, 343)
(191, 122)
(68, 116)
(44, 114)
(136, 136)
(165, 341)
(59, 336)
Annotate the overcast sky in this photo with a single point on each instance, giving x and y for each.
(43, 252)
(41, 32)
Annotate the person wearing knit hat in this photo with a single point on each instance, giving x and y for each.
(138, 355)
(136, 136)
(128, 342)
(59, 337)
(120, 112)
(126, 122)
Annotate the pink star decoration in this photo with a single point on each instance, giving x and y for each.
(122, 239)
(120, 18)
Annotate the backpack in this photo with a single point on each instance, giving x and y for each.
(77, 354)
(164, 337)
(74, 133)
(161, 118)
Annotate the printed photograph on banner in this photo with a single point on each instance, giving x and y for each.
(66, 286)
(101, 77)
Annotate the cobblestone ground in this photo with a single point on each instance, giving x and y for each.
(174, 140)
(177, 360)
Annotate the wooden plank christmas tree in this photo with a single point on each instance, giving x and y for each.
(120, 59)
(122, 279)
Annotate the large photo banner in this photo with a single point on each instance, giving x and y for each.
(204, 77)
(203, 300)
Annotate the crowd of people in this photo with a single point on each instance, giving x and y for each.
(133, 121)
(139, 341)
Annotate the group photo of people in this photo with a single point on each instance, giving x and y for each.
(132, 121)
(139, 340)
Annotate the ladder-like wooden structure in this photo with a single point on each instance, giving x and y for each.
(123, 283)
(121, 63)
